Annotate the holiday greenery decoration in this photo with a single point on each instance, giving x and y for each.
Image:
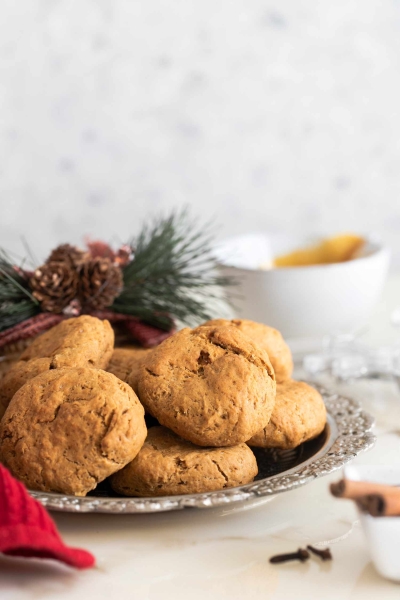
(68, 254)
(165, 273)
(16, 301)
(54, 285)
(100, 283)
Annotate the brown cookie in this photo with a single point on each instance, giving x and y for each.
(269, 339)
(85, 339)
(299, 415)
(79, 342)
(67, 429)
(211, 385)
(125, 364)
(6, 362)
(168, 465)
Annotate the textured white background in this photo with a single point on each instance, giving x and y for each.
(268, 115)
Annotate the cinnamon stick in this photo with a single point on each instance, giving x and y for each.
(381, 505)
(352, 490)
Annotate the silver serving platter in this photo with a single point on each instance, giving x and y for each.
(347, 433)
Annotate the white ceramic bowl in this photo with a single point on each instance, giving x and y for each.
(303, 302)
(382, 533)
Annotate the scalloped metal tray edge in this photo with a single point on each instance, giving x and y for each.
(348, 433)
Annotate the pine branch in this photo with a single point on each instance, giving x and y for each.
(173, 273)
(16, 302)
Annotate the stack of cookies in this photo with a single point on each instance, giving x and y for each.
(74, 410)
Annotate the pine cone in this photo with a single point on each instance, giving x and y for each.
(54, 285)
(100, 283)
(67, 253)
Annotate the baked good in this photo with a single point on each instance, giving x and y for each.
(125, 364)
(18, 374)
(211, 385)
(6, 362)
(67, 429)
(168, 465)
(78, 342)
(85, 340)
(269, 339)
(299, 415)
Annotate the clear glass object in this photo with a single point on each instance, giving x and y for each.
(345, 357)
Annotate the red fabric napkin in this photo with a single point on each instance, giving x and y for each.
(26, 528)
(147, 335)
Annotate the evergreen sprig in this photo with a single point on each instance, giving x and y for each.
(16, 302)
(172, 274)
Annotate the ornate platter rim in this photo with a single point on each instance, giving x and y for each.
(349, 433)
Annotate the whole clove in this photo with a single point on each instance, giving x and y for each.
(302, 555)
(324, 553)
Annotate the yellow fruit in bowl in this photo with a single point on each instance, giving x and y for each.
(339, 248)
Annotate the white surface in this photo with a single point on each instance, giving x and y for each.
(310, 301)
(216, 554)
(385, 474)
(383, 537)
(269, 115)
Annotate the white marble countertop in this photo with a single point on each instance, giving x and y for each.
(223, 553)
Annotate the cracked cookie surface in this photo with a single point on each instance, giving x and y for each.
(78, 342)
(125, 364)
(210, 385)
(269, 339)
(299, 415)
(68, 429)
(168, 465)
